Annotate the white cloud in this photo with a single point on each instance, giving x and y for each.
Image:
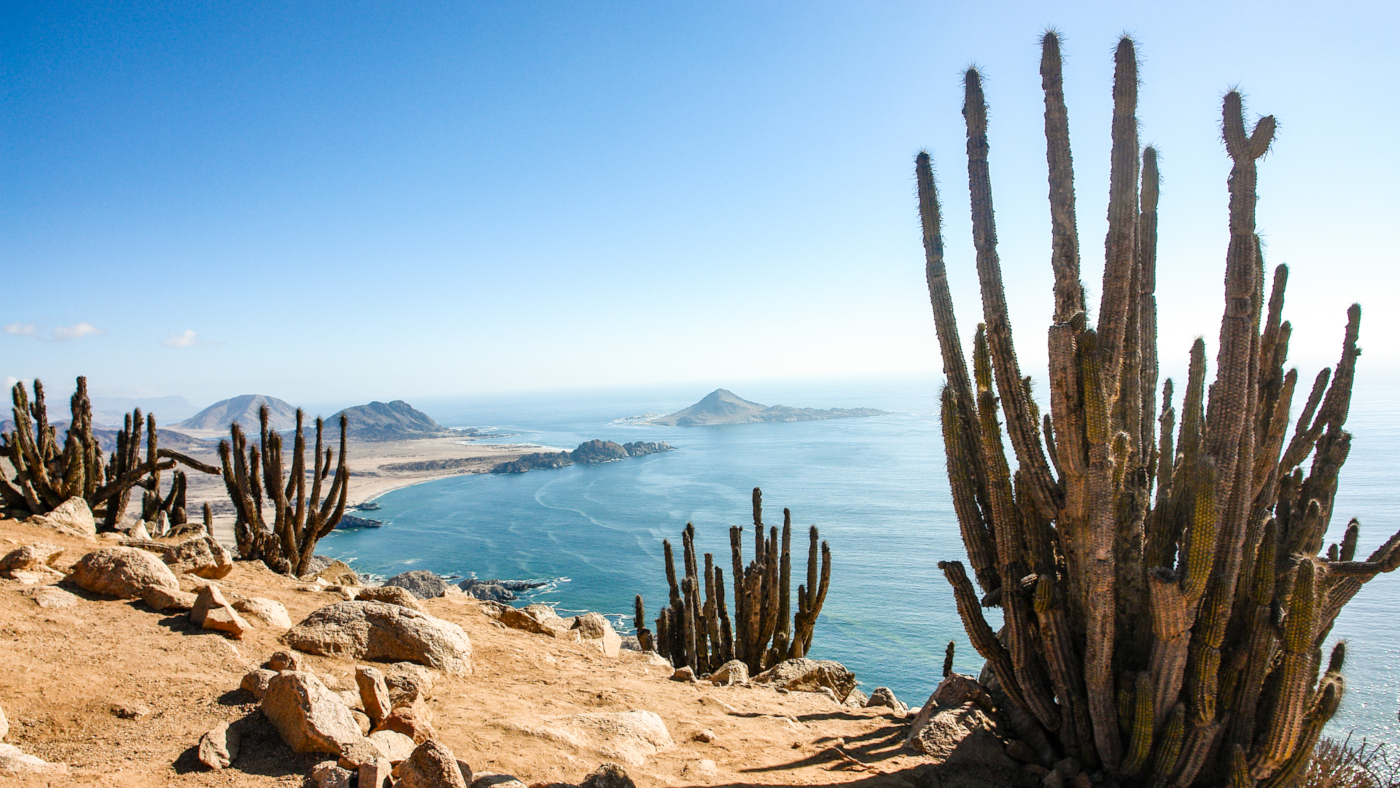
(21, 329)
(76, 331)
(10, 381)
(186, 338)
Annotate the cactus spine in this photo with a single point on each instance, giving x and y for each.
(1138, 579)
(697, 630)
(298, 519)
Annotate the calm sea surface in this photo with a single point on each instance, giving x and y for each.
(876, 487)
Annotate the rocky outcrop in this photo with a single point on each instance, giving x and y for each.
(201, 556)
(487, 590)
(810, 675)
(962, 736)
(378, 631)
(122, 572)
(307, 715)
(392, 595)
(72, 517)
(588, 453)
(596, 631)
(419, 582)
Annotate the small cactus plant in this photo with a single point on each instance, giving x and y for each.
(1142, 576)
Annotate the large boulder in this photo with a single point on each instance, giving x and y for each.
(72, 517)
(962, 736)
(309, 717)
(420, 582)
(122, 572)
(393, 595)
(596, 631)
(383, 632)
(810, 675)
(431, 765)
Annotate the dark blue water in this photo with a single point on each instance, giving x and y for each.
(876, 488)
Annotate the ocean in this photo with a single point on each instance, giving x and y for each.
(875, 487)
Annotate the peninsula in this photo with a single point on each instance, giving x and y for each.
(725, 407)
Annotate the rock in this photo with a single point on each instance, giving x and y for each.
(684, 673)
(269, 611)
(392, 745)
(201, 556)
(224, 619)
(122, 572)
(962, 736)
(884, 696)
(492, 780)
(609, 775)
(704, 735)
(487, 590)
(376, 774)
(431, 765)
(13, 761)
(956, 689)
(31, 559)
(545, 615)
(393, 595)
(159, 598)
(598, 632)
(358, 754)
(131, 711)
(51, 597)
(653, 658)
(309, 717)
(374, 693)
(362, 720)
(631, 643)
(327, 774)
(414, 721)
(4, 725)
(379, 631)
(283, 660)
(732, 672)
(218, 747)
(138, 533)
(810, 675)
(337, 573)
(516, 618)
(420, 582)
(208, 598)
(629, 737)
(856, 700)
(256, 682)
(1053, 780)
(407, 682)
(72, 517)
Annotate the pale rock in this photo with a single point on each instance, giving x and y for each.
(376, 774)
(358, 754)
(4, 725)
(51, 597)
(515, 618)
(810, 675)
(256, 682)
(492, 780)
(392, 745)
(704, 735)
(219, 747)
(338, 573)
(269, 611)
(138, 533)
(159, 598)
(374, 693)
(379, 631)
(224, 619)
(407, 682)
(884, 696)
(72, 517)
(431, 765)
(283, 660)
(419, 582)
(962, 736)
(546, 616)
(598, 632)
(856, 700)
(14, 761)
(327, 774)
(201, 556)
(608, 775)
(362, 720)
(393, 595)
(414, 720)
(732, 672)
(683, 673)
(630, 737)
(347, 593)
(655, 659)
(703, 770)
(121, 572)
(208, 598)
(131, 711)
(31, 558)
(309, 717)
(350, 698)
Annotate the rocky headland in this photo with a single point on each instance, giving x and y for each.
(588, 453)
(725, 407)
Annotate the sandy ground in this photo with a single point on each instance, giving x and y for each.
(70, 677)
(369, 478)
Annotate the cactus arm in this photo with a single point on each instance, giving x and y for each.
(980, 633)
(977, 538)
(1120, 243)
(1069, 298)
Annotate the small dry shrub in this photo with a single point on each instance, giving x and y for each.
(1344, 764)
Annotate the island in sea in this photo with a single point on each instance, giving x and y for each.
(722, 406)
(588, 453)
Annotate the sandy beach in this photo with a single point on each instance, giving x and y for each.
(376, 467)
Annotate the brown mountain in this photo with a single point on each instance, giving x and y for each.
(725, 407)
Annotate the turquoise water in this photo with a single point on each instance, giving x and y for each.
(876, 488)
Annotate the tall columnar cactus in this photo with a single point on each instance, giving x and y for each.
(1142, 576)
(285, 538)
(45, 475)
(696, 630)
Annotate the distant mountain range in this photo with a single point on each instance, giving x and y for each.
(107, 438)
(725, 407)
(243, 410)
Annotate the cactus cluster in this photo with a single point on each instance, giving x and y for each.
(1165, 598)
(695, 628)
(285, 538)
(45, 474)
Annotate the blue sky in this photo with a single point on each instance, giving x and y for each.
(340, 201)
